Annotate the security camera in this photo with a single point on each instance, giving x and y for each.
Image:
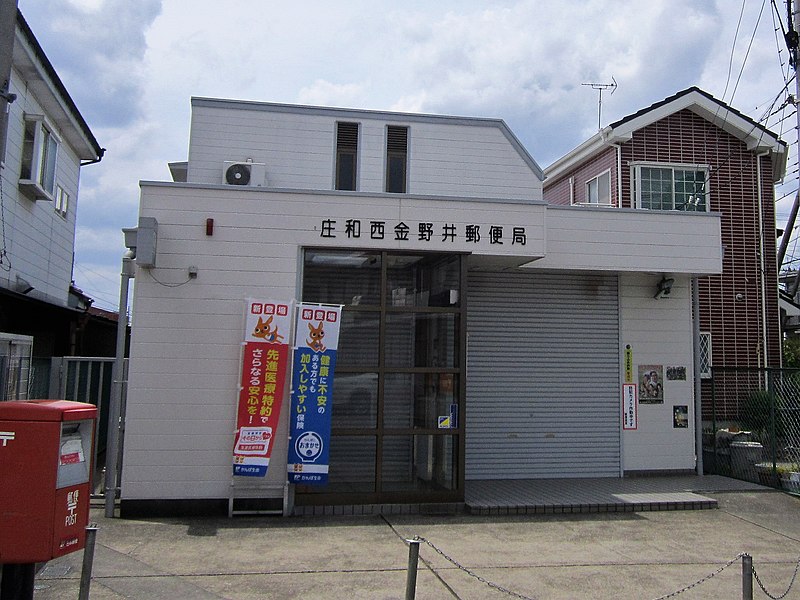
(664, 288)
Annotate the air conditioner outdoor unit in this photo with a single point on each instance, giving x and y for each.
(245, 173)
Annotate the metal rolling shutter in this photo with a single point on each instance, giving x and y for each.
(542, 376)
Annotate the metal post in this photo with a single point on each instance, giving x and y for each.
(115, 406)
(747, 577)
(88, 561)
(411, 575)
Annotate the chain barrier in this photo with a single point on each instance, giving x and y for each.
(455, 563)
(704, 579)
(784, 594)
(700, 581)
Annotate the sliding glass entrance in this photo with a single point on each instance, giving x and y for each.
(398, 393)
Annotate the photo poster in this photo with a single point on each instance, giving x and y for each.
(680, 416)
(316, 344)
(651, 384)
(265, 359)
(630, 407)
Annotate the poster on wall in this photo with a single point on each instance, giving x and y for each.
(316, 343)
(651, 384)
(265, 358)
(680, 416)
(676, 373)
(630, 407)
(628, 364)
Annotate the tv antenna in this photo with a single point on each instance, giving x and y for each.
(600, 87)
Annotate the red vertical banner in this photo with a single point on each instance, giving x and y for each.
(265, 361)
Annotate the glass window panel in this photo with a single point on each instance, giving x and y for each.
(355, 400)
(421, 340)
(342, 277)
(418, 280)
(396, 177)
(47, 175)
(417, 399)
(352, 466)
(419, 463)
(346, 171)
(26, 168)
(358, 339)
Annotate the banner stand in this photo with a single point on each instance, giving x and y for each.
(263, 365)
(239, 492)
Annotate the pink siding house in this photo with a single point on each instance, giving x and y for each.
(692, 152)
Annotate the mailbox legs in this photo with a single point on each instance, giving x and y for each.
(17, 581)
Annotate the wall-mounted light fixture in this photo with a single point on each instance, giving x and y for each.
(23, 286)
(664, 288)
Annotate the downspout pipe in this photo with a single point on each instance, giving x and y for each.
(698, 398)
(762, 264)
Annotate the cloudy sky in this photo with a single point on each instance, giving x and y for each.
(132, 66)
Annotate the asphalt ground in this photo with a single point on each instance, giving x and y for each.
(630, 555)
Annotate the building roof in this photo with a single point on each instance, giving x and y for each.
(30, 59)
(756, 137)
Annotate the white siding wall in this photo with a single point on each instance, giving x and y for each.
(39, 242)
(186, 340)
(454, 158)
(612, 239)
(659, 333)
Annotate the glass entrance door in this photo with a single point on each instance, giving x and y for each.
(399, 387)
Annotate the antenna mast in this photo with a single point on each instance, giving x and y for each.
(600, 87)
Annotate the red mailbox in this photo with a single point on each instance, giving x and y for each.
(46, 456)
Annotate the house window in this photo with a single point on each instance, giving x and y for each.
(39, 150)
(346, 155)
(598, 189)
(705, 355)
(61, 203)
(396, 159)
(672, 188)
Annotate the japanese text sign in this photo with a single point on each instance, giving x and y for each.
(312, 393)
(264, 362)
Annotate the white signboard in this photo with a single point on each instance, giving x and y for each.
(630, 406)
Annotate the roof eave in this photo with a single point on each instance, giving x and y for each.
(30, 59)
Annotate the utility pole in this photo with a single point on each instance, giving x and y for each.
(8, 28)
(792, 39)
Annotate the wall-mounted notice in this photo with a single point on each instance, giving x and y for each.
(630, 406)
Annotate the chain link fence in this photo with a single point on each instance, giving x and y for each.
(753, 429)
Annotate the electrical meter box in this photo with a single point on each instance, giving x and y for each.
(46, 462)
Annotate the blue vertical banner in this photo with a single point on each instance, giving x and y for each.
(316, 343)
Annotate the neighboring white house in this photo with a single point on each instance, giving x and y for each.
(463, 293)
(48, 142)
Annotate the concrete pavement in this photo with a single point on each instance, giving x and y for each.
(644, 555)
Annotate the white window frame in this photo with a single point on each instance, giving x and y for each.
(706, 360)
(597, 180)
(43, 159)
(61, 201)
(636, 179)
